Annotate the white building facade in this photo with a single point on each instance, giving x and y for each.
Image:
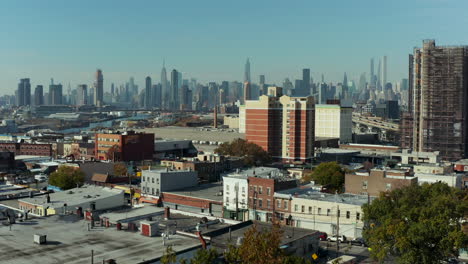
(235, 197)
(334, 121)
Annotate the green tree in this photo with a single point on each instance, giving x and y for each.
(261, 247)
(331, 174)
(67, 177)
(251, 153)
(169, 256)
(113, 153)
(120, 169)
(204, 256)
(417, 224)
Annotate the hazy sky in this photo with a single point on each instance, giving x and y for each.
(210, 40)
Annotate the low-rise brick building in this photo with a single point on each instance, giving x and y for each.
(27, 148)
(377, 181)
(209, 167)
(130, 146)
(261, 193)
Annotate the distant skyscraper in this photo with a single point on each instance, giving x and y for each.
(371, 69)
(24, 92)
(148, 94)
(99, 89)
(384, 71)
(305, 91)
(164, 88)
(247, 71)
(262, 79)
(438, 112)
(112, 89)
(184, 92)
(262, 86)
(247, 92)
(82, 95)
(174, 90)
(55, 94)
(39, 95)
(379, 76)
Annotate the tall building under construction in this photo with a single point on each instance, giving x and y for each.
(438, 101)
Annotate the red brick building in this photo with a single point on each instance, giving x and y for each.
(377, 181)
(131, 146)
(261, 201)
(282, 125)
(28, 149)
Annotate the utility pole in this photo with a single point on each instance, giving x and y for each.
(337, 229)
(236, 188)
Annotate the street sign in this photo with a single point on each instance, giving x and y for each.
(314, 256)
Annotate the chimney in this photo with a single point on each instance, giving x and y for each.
(167, 213)
(202, 240)
(215, 117)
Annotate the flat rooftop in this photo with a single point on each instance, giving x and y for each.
(208, 191)
(74, 196)
(69, 241)
(191, 133)
(289, 234)
(261, 172)
(308, 192)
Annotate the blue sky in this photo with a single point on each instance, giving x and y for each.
(210, 40)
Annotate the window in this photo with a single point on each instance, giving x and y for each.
(278, 204)
(255, 188)
(302, 209)
(227, 199)
(243, 201)
(260, 189)
(260, 203)
(152, 190)
(364, 185)
(358, 216)
(348, 214)
(243, 189)
(227, 187)
(310, 209)
(319, 211)
(328, 212)
(388, 186)
(268, 203)
(152, 180)
(296, 207)
(285, 204)
(268, 191)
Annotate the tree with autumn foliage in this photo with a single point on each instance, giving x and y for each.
(120, 169)
(259, 246)
(417, 223)
(67, 177)
(330, 174)
(113, 153)
(252, 154)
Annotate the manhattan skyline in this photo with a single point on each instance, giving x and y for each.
(132, 39)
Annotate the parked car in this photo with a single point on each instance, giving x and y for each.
(333, 238)
(358, 242)
(323, 236)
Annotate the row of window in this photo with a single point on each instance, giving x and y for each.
(149, 179)
(259, 189)
(242, 189)
(105, 146)
(328, 213)
(109, 139)
(234, 200)
(148, 190)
